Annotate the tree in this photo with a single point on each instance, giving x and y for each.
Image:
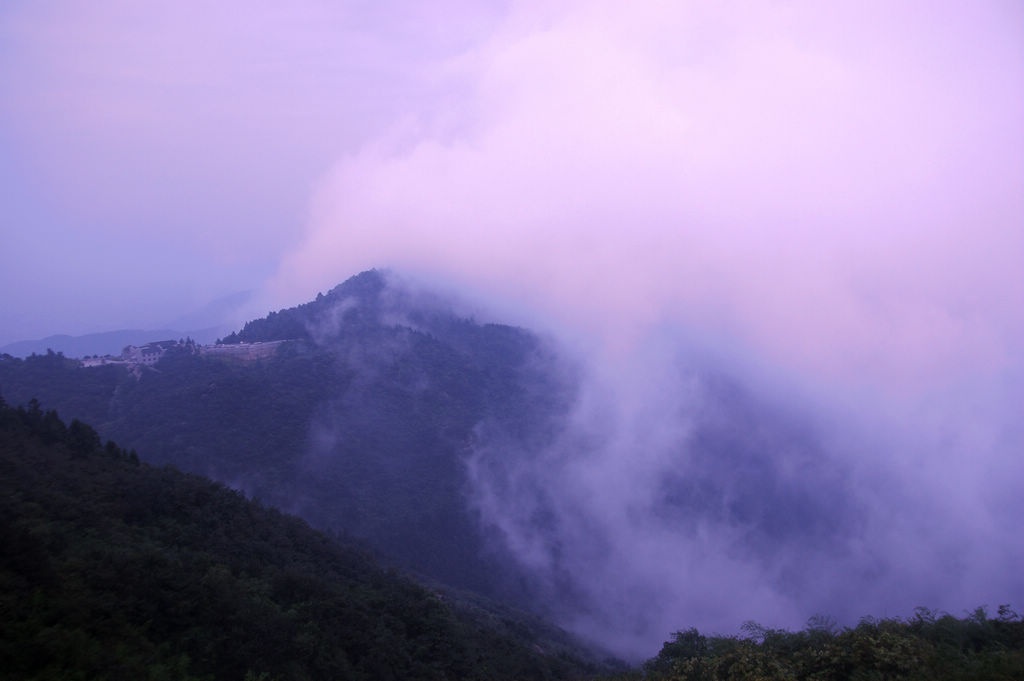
(82, 438)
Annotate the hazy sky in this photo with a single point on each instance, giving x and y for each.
(839, 183)
(155, 157)
(831, 194)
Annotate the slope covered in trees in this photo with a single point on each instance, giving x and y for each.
(360, 428)
(929, 646)
(115, 569)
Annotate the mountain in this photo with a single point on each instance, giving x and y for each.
(360, 424)
(116, 569)
(478, 456)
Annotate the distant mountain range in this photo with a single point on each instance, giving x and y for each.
(106, 343)
(203, 326)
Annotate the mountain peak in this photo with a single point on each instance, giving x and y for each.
(358, 295)
(363, 285)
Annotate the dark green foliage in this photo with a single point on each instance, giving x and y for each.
(928, 646)
(114, 570)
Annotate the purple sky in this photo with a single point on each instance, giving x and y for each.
(831, 194)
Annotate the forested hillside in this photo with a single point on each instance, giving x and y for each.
(115, 569)
(360, 427)
(929, 646)
(370, 421)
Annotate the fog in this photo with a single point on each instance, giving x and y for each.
(819, 208)
(686, 492)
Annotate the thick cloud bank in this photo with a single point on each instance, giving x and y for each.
(826, 200)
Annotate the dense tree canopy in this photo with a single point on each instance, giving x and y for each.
(928, 646)
(117, 570)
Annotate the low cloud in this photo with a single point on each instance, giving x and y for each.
(820, 204)
(678, 495)
(836, 188)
